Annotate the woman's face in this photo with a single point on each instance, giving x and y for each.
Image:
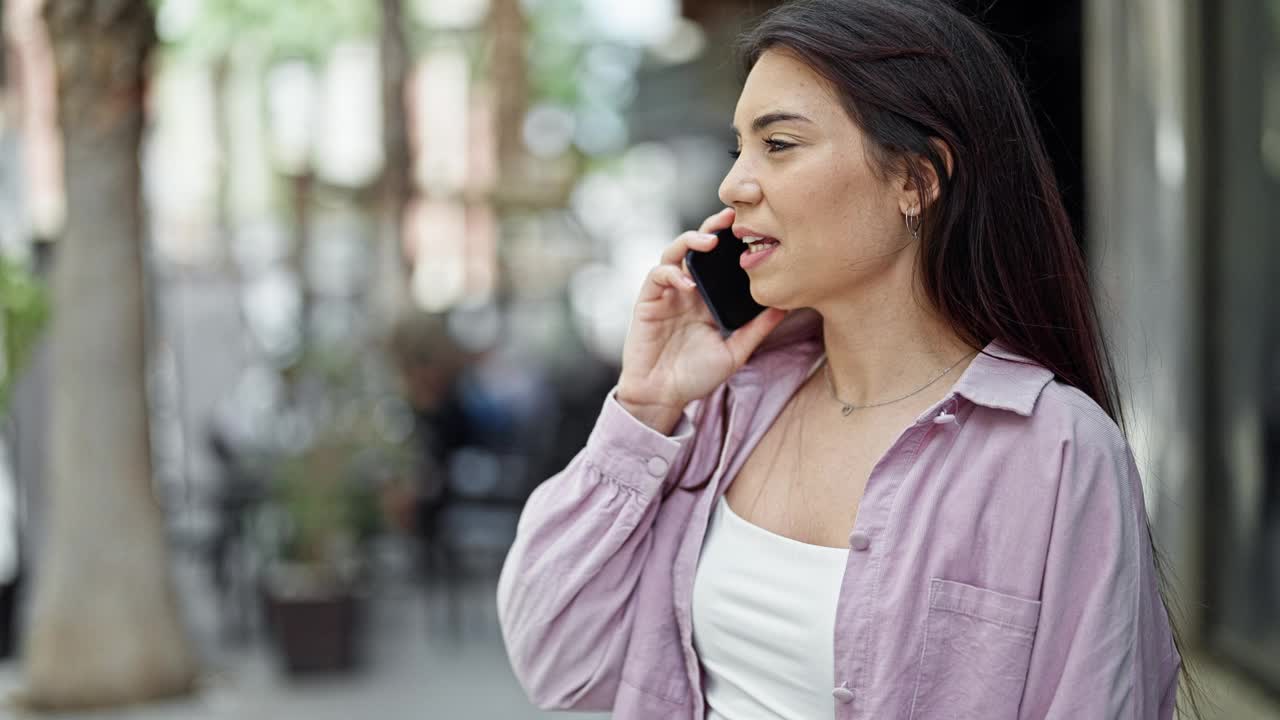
(804, 178)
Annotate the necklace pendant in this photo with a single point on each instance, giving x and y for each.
(846, 410)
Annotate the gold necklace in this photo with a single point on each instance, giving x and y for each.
(848, 408)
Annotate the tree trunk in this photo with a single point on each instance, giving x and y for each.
(4, 53)
(389, 294)
(510, 80)
(301, 201)
(221, 107)
(104, 628)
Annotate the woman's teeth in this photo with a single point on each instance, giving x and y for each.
(758, 244)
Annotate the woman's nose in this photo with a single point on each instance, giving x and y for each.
(739, 188)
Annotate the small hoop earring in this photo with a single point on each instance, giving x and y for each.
(915, 231)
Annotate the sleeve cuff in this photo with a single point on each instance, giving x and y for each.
(633, 454)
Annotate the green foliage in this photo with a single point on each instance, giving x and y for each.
(325, 496)
(328, 506)
(305, 29)
(24, 311)
(556, 47)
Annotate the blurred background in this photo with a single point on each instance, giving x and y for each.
(338, 282)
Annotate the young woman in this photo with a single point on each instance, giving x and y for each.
(908, 499)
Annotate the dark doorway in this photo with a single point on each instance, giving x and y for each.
(1044, 42)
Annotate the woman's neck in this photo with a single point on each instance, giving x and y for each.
(880, 347)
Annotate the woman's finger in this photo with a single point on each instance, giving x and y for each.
(745, 339)
(719, 221)
(674, 253)
(663, 277)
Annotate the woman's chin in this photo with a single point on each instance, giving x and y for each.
(773, 297)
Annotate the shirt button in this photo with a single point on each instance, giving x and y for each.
(657, 467)
(859, 541)
(843, 694)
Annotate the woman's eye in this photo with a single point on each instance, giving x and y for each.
(772, 146)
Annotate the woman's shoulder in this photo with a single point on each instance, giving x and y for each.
(1049, 412)
(1080, 453)
(1067, 453)
(1070, 414)
(1034, 420)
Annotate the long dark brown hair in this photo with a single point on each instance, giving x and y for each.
(999, 259)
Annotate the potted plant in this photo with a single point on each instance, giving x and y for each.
(311, 584)
(322, 511)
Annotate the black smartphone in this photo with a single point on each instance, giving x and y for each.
(723, 283)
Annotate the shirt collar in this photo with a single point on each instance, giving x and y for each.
(1001, 379)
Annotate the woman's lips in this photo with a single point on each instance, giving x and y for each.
(753, 258)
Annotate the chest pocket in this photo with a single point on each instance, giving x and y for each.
(977, 649)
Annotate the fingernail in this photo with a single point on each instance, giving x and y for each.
(689, 283)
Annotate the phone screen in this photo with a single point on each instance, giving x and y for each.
(723, 283)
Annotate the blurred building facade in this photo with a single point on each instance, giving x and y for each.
(1182, 110)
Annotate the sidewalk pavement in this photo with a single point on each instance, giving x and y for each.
(417, 669)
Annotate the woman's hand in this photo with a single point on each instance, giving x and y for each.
(674, 353)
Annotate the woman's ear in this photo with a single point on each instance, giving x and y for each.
(910, 196)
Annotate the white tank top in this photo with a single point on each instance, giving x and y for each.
(764, 610)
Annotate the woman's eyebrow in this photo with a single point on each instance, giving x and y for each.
(768, 119)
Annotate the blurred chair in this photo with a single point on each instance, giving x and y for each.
(237, 495)
(470, 531)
